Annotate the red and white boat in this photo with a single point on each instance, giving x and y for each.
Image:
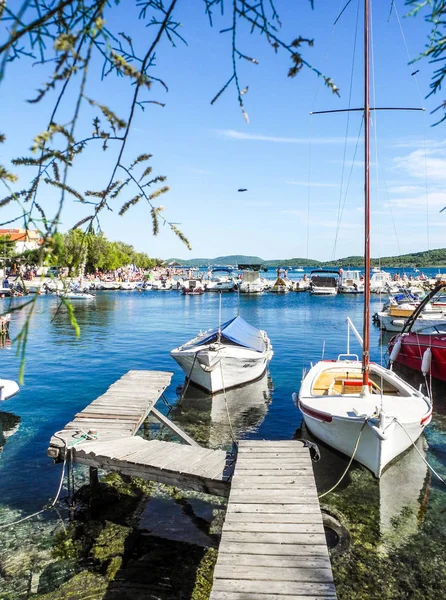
(423, 350)
(357, 407)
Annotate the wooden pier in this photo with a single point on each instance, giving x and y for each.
(273, 544)
(103, 436)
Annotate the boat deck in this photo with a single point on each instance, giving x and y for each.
(273, 544)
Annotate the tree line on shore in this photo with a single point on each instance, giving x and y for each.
(76, 249)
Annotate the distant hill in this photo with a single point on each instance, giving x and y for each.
(428, 258)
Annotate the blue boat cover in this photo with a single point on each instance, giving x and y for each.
(236, 330)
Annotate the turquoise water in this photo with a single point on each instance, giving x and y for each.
(129, 330)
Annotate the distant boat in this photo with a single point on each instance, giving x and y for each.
(251, 282)
(351, 282)
(299, 269)
(226, 356)
(192, 287)
(324, 283)
(77, 295)
(221, 280)
(280, 286)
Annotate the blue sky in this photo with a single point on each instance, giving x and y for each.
(291, 164)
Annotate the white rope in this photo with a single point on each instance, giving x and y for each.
(5, 526)
(226, 404)
(349, 464)
(431, 469)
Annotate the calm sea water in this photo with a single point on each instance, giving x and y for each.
(130, 330)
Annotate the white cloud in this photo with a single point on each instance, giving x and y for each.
(434, 201)
(240, 135)
(422, 163)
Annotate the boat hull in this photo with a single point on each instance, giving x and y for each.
(224, 368)
(372, 452)
(8, 389)
(381, 421)
(413, 347)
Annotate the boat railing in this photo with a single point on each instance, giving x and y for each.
(351, 327)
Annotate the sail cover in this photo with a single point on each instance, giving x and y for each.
(236, 330)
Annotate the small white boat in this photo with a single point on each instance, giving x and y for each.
(324, 283)
(221, 283)
(340, 411)
(351, 282)
(109, 285)
(8, 389)
(226, 356)
(192, 287)
(299, 269)
(380, 282)
(251, 282)
(355, 406)
(163, 284)
(77, 296)
(128, 285)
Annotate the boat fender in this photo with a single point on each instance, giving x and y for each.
(395, 351)
(295, 398)
(426, 362)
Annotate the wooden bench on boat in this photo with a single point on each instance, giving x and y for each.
(103, 436)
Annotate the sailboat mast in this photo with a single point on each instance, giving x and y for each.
(366, 330)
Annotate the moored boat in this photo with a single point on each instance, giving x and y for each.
(361, 408)
(226, 356)
(351, 282)
(324, 282)
(422, 348)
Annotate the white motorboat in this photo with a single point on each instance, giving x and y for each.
(324, 283)
(76, 295)
(251, 282)
(351, 282)
(394, 317)
(226, 356)
(128, 285)
(361, 408)
(109, 285)
(192, 287)
(381, 282)
(8, 389)
(163, 284)
(221, 283)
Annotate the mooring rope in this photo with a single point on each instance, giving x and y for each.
(349, 464)
(226, 405)
(431, 469)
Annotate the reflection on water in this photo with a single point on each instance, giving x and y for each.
(234, 413)
(9, 424)
(399, 496)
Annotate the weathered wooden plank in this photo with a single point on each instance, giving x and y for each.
(273, 450)
(297, 574)
(241, 478)
(170, 425)
(266, 443)
(249, 537)
(297, 472)
(194, 457)
(276, 508)
(182, 480)
(215, 465)
(271, 560)
(297, 484)
(303, 550)
(275, 518)
(273, 587)
(257, 596)
(273, 527)
(292, 496)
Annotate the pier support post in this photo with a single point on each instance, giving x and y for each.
(94, 478)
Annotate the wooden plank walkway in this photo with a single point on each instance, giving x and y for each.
(273, 543)
(103, 436)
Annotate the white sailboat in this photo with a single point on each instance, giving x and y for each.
(361, 408)
(227, 356)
